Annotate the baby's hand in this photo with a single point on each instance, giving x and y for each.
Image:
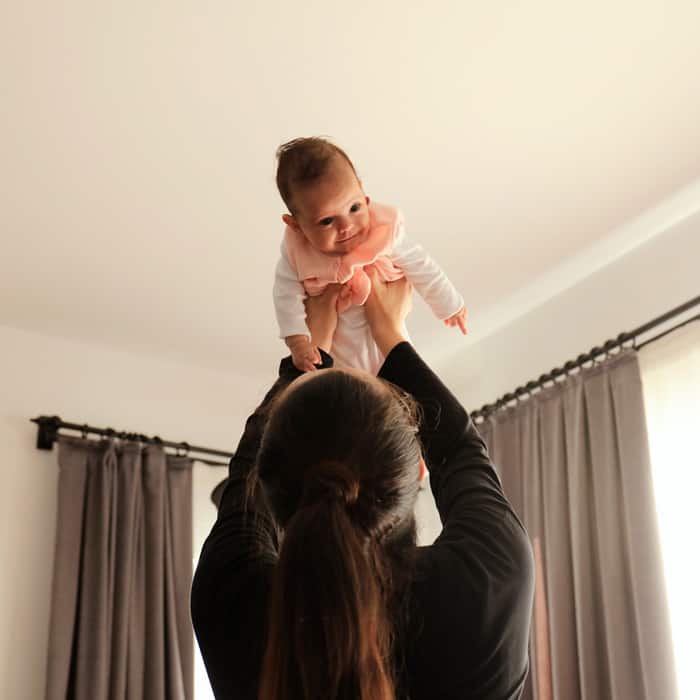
(304, 354)
(458, 319)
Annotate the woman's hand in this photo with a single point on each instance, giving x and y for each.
(386, 308)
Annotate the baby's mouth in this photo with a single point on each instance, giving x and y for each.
(356, 234)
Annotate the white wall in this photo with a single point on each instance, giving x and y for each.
(96, 385)
(649, 280)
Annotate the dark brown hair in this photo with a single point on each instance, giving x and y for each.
(339, 464)
(303, 162)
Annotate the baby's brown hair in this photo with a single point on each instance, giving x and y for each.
(302, 162)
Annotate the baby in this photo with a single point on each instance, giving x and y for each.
(333, 231)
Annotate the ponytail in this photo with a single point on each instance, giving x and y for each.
(336, 625)
(328, 634)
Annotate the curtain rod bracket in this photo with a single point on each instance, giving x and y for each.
(47, 432)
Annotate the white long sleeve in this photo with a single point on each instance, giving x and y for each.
(426, 276)
(288, 295)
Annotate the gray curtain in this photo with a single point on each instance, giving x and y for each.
(120, 625)
(574, 461)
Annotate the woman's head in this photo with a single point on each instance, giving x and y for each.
(346, 433)
(320, 187)
(340, 463)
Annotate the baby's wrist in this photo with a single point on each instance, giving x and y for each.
(293, 341)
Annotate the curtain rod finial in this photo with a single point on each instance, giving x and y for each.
(47, 432)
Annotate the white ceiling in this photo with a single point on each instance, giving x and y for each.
(137, 197)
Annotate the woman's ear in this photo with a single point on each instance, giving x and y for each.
(422, 470)
(291, 222)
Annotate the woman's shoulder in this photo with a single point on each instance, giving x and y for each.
(489, 547)
(469, 613)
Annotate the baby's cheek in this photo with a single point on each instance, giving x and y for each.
(324, 242)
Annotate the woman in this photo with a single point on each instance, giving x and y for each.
(310, 585)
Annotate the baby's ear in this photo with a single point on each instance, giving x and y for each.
(291, 222)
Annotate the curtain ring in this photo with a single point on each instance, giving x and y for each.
(508, 398)
(569, 367)
(185, 446)
(624, 337)
(594, 353)
(543, 379)
(608, 347)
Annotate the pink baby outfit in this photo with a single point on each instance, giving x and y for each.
(316, 270)
(303, 270)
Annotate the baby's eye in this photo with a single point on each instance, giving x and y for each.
(355, 208)
(327, 221)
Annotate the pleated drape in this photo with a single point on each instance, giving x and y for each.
(574, 461)
(120, 624)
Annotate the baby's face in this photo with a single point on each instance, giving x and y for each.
(333, 213)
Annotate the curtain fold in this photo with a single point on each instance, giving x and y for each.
(120, 623)
(574, 461)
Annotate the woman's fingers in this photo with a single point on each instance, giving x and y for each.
(388, 302)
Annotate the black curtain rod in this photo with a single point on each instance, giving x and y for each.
(606, 349)
(50, 425)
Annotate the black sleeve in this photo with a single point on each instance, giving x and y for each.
(446, 429)
(231, 585)
(477, 583)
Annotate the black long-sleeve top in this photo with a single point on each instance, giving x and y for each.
(471, 595)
